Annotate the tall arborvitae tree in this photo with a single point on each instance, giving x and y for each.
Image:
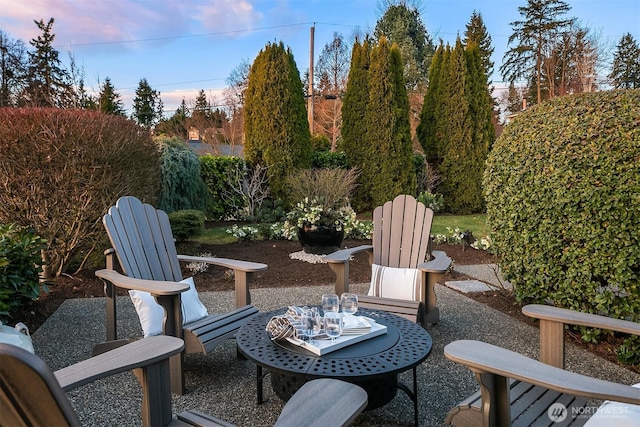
(109, 101)
(389, 166)
(483, 134)
(625, 72)
(354, 127)
(533, 39)
(476, 33)
(427, 130)
(456, 130)
(276, 128)
(147, 105)
(456, 142)
(47, 81)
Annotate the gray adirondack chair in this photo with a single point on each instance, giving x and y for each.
(516, 390)
(144, 245)
(32, 395)
(401, 239)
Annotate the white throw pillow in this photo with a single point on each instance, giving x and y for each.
(399, 283)
(151, 314)
(615, 414)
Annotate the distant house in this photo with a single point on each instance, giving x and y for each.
(203, 148)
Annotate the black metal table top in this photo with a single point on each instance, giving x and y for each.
(404, 346)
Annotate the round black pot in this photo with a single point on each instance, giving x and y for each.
(320, 239)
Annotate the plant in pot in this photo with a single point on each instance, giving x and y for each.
(321, 215)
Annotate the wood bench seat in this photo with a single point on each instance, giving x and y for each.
(528, 404)
(203, 335)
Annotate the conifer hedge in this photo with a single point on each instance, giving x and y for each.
(562, 186)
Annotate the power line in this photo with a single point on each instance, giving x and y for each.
(220, 33)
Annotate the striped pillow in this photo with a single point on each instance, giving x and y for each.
(399, 283)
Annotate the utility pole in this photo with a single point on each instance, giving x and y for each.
(311, 94)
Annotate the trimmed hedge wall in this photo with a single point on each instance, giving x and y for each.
(562, 186)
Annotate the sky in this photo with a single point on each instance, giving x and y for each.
(184, 46)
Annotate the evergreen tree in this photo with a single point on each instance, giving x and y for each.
(13, 68)
(512, 99)
(625, 72)
(427, 131)
(390, 164)
(147, 105)
(476, 34)
(534, 38)
(354, 127)
(456, 128)
(175, 125)
(401, 24)
(276, 128)
(109, 101)
(46, 79)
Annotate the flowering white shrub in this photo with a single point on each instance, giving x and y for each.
(483, 243)
(199, 267)
(246, 232)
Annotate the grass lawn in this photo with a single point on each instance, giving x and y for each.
(475, 223)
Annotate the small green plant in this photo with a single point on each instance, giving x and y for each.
(629, 351)
(435, 202)
(20, 268)
(186, 224)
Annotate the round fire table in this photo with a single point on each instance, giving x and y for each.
(373, 364)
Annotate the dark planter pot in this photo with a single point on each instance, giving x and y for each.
(319, 239)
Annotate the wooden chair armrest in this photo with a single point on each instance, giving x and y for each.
(249, 267)
(552, 321)
(484, 358)
(572, 317)
(155, 287)
(138, 354)
(439, 264)
(343, 255)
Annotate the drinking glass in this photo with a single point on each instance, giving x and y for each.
(330, 303)
(349, 303)
(333, 325)
(311, 323)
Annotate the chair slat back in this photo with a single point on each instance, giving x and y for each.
(401, 232)
(142, 238)
(30, 394)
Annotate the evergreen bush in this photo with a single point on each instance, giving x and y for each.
(216, 173)
(20, 267)
(562, 187)
(187, 224)
(181, 186)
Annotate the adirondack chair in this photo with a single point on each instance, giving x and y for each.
(143, 243)
(404, 267)
(32, 395)
(516, 390)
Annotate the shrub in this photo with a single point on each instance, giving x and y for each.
(62, 169)
(329, 159)
(186, 224)
(331, 186)
(434, 202)
(20, 267)
(563, 202)
(181, 184)
(216, 172)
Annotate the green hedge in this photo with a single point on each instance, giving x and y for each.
(186, 224)
(562, 186)
(20, 267)
(216, 173)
